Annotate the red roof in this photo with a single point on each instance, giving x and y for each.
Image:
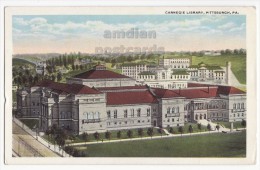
(99, 74)
(133, 97)
(165, 93)
(63, 88)
(201, 92)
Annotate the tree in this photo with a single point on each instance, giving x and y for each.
(140, 132)
(209, 127)
(160, 131)
(59, 76)
(150, 132)
(180, 129)
(199, 126)
(108, 135)
(48, 132)
(217, 127)
(130, 133)
(96, 136)
(85, 136)
(243, 123)
(190, 129)
(118, 135)
(171, 130)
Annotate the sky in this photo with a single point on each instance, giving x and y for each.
(78, 33)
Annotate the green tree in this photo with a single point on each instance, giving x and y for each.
(96, 136)
(217, 127)
(199, 126)
(209, 127)
(118, 134)
(59, 76)
(160, 130)
(243, 123)
(108, 135)
(190, 129)
(140, 132)
(150, 132)
(180, 129)
(129, 133)
(85, 136)
(171, 130)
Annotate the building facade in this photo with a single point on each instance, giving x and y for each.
(79, 108)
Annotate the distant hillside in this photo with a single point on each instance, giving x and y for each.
(36, 57)
(22, 62)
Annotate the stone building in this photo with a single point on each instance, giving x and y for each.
(100, 107)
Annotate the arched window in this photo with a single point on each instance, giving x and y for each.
(173, 110)
(234, 106)
(168, 110)
(242, 106)
(238, 105)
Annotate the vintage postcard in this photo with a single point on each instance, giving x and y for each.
(130, 85)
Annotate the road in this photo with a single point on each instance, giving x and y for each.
(24, 145)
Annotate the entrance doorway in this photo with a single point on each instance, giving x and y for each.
(154, 123)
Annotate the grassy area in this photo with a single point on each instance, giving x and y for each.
(31, 123)
(211, 145)
(228, 124)
(21, 62)
(238, 64)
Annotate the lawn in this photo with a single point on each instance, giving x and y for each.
(210, 145)
(31, 123)
(22, 62)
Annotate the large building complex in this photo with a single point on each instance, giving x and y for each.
(176, 73)
(113, 102)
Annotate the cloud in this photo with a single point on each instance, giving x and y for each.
(227, 25)
(240, 28)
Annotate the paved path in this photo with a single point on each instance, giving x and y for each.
(25, 145)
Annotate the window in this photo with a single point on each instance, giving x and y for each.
(172, 120)
(165, 115)
(177, 109)
(108, 114)
(242, 106)
(132, 112)
(173, 110)
(115, 114)
(168, 110)
(238, 105)
(148, 112)
(138, 112)
(125, 113)
(234, 106)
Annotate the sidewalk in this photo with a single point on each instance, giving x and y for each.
(54, 148)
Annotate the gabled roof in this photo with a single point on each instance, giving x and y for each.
(132, 97)
(99, 74)
(63, 88)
